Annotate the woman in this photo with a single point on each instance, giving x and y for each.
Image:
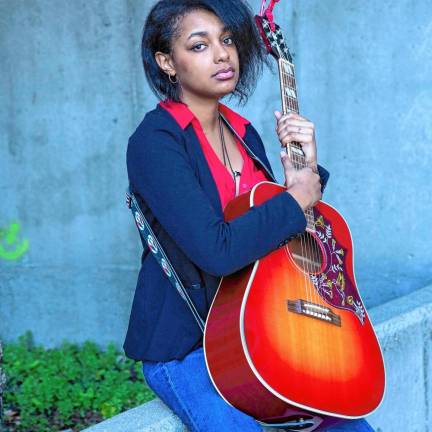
(184, 164)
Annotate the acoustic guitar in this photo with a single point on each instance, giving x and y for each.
(288, 339)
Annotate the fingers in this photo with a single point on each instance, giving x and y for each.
(296, 116)
(290, 114)
(291, 118)
(305, 190)
(289, 170)
(295, 126)
(288, 137)
(286, 160)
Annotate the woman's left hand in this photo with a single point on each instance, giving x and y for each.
(295, 128)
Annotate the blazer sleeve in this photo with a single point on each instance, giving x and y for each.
(160, 171)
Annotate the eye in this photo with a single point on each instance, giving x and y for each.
(228, 40)
(198, 47)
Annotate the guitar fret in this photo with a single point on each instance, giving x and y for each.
(297, 150)
(290, 92)
(290, 80)
(288, 86)
(299, 160)
(288, 68)
(310, 219)
(293, 105)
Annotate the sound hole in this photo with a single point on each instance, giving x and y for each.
(306, 253)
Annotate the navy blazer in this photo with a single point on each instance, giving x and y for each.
(169, 174)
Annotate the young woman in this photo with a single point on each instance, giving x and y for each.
(184, 164)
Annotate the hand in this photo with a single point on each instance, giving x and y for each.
(295, 128)
(303, 184)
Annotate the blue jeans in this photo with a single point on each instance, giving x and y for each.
(186, 388)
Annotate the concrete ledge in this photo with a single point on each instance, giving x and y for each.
(153, 416)
(404, 328)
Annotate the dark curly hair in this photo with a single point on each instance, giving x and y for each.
(162, 24)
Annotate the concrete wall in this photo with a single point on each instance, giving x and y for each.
(72, 91)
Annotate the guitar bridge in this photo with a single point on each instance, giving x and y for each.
(314, 310)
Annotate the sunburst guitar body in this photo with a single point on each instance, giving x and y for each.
(288, 339)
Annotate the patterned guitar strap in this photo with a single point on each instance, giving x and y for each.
(152, 242)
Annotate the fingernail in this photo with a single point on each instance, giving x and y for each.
(283, 153)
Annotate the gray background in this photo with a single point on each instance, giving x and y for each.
(72, 90)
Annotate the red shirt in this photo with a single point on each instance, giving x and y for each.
(250, 173)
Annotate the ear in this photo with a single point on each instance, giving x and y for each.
(165, 62)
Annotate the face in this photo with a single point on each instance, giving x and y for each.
(204, 57)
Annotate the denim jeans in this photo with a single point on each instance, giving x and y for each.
(186, 388)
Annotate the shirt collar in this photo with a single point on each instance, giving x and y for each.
(184, 116)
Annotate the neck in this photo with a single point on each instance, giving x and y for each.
(290, 104)
(205, 110)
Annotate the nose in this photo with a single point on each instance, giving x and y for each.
(221, 53)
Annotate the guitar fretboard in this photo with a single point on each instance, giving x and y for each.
(290, 104)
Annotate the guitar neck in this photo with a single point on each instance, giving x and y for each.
(288, 86)
(290, 104)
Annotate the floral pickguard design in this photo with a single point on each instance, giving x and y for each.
(332, 284)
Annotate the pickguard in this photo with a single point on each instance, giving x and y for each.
(334, 286)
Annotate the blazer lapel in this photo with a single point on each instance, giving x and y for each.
(202, 169)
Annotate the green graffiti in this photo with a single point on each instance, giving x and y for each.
(11, 247)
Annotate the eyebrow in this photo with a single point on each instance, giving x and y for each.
(205, 34)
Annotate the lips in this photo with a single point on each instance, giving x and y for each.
(224, 74)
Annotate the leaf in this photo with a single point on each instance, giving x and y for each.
(68, 386)
(34, 364)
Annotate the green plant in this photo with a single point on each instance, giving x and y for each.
(72, 386)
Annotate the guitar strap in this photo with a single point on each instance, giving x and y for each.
(149, 238)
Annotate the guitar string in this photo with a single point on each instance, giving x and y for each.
(303, 243)
(286, 109)
(304, 236)
(312, 250)
(308, 243)
(312, 246)
(307, 255)
(294, 159)
(304, 249)
(300, 164)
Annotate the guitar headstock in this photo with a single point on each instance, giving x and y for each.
(274, 41)
(273, 38)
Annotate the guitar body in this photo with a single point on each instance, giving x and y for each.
(288, 338)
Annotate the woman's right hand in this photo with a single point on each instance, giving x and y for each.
(303, 184)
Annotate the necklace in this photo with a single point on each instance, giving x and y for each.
(225, 154)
